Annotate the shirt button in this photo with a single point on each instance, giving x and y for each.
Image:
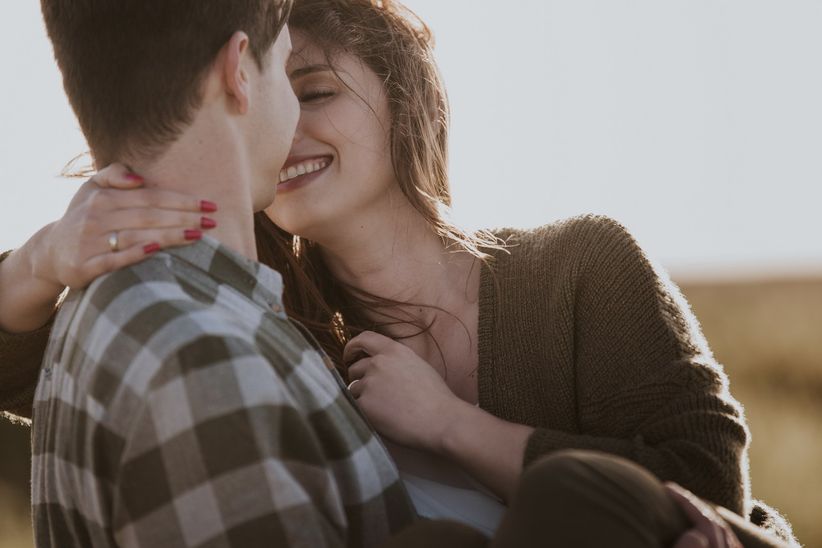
(276, 308)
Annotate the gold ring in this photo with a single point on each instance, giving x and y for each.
(114, 242)
(352, 384)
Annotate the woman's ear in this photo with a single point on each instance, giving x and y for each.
(235, 71)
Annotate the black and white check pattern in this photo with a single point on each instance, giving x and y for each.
(178, 406)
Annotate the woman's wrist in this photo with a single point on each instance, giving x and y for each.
(457, 423)
(28, 285)
(37, 255)
(489, 448)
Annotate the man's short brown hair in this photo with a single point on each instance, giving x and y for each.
(133, 69)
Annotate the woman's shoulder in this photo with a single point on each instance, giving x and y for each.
(581, 228)
(575, 240)
(598, 263)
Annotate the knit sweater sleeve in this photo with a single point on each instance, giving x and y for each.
(20, 358)
(648, 387)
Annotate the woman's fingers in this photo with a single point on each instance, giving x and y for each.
(117, 176)
(705, 519)
(155, 198)
(146, 218)
(356, 388)
(113, 217)
(133, 247)
(111, 261)
(359, 369)
(698, 514)
(368, 343)
(164, 237)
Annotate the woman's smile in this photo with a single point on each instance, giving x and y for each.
(301, 170)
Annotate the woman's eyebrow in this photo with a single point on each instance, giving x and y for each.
(310, 69)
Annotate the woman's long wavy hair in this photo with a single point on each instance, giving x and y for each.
(394, 43)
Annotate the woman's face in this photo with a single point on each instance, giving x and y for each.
(339, 168)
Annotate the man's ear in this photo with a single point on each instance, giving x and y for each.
(235, 71)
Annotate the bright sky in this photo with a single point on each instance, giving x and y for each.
(697, 123)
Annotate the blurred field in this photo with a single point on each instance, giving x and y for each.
(767, 334)
(15, 530)
(769, 337)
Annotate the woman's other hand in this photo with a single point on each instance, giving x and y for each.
(113, 221)
(709, 530)
(405, 399)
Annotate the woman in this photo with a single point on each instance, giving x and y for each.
(480, 353)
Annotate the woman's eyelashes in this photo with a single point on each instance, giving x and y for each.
(313, 96)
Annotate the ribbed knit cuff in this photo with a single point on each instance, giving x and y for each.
(20, 358)
(21, 355)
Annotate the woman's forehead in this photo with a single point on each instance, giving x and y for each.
(306, 54)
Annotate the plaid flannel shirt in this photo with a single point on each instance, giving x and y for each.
(178, 406)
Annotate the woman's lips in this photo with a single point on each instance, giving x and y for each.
(302, 172)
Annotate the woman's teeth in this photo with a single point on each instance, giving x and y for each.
(303, 168)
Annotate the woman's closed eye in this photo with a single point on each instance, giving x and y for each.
(313, 96)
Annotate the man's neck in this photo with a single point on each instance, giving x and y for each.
(208, 163)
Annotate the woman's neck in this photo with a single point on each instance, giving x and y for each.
(399, 257)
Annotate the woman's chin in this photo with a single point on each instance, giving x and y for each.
(297, 224)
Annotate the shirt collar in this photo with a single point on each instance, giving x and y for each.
(254, 280)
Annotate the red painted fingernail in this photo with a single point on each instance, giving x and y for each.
(205, 222)
(133, 177)
(207, 207)
(193, 234)
(151, 248)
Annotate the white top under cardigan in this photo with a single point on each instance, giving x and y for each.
(440, 489)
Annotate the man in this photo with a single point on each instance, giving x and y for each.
(177, 405)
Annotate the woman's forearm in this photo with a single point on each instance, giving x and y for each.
(27, 297)
(488, 447)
